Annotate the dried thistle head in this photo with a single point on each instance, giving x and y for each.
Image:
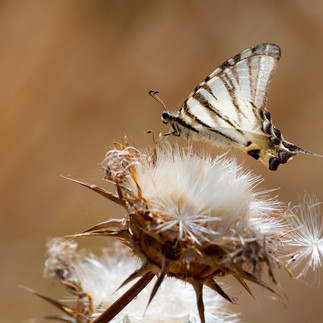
(305, 241)
(64, 263)
(93, 283)
(191, 217)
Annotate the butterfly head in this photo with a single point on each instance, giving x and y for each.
(165, 117)
(172, 117)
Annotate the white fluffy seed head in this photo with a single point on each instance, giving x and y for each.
(306, 240)
(189, 217)
(205, 198)
(196, 214)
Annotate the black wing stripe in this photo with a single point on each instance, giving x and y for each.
(208, 89)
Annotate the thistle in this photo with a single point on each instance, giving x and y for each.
(191, 217)
(195, 219)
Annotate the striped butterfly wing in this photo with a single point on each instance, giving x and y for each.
(229, 108)
(244, 77)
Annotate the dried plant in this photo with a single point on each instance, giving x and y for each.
(196, 219)
(95, 283)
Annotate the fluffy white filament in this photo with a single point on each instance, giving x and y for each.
(200, 201)
(101, 278)
(306, 238)
(206, 198)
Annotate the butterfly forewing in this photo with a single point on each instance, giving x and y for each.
(246, 76)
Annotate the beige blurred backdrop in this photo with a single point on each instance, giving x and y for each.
(76, 74)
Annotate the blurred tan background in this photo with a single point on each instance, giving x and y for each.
(75, 74)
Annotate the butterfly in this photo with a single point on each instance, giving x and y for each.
(228, 108)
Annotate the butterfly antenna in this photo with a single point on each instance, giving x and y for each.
(153, 93)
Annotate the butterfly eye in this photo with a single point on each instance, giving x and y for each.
(165, 117)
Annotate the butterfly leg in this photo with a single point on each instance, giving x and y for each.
(175, 130)
(167, 134)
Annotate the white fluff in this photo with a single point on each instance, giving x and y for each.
(175, 301)
(206, 198)
(306, 240)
